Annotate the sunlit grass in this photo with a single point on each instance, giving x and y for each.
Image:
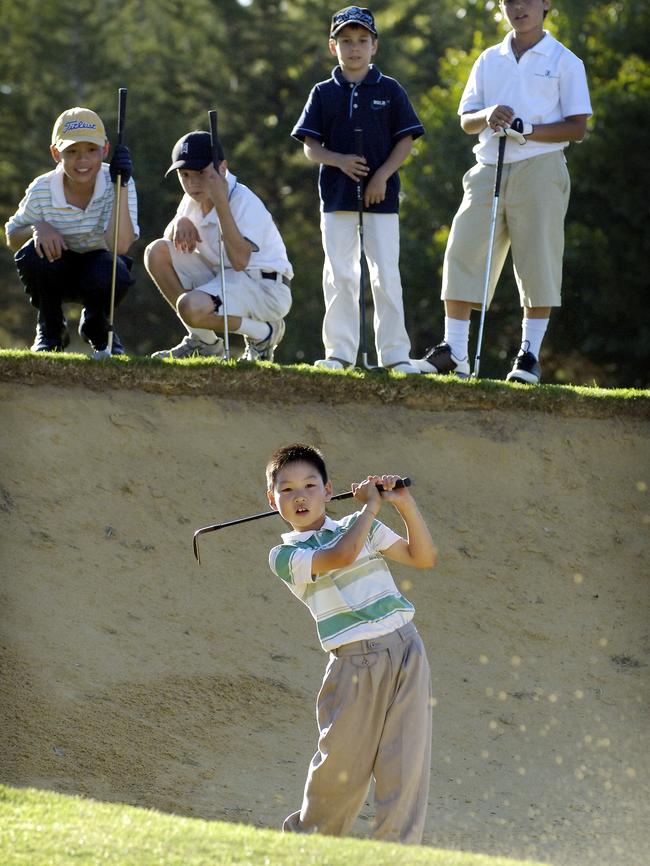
(41, 828)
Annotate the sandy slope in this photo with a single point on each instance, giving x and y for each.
(131, 674)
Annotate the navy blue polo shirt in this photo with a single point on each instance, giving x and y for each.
(380, 107)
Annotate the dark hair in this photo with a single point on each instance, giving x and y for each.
(293, 454)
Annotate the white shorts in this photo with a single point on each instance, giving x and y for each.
(248, 293)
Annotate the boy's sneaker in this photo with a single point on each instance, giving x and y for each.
(403, 367)
(116, 348)
(525, 369)
(50, 340)
(332, 364)
(263, 350)
(190, 347)
(440, 361)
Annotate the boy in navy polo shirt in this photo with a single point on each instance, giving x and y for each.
(358, 96)
(533, 77)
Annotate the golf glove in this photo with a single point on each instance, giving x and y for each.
(121, 164)
(519, 129)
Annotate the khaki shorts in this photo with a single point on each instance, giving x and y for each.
(533, 200)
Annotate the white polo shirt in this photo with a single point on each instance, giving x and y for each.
(83, 230)
(253, 221)
(547, 85)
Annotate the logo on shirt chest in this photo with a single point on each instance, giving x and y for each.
(547, 74)
(378, 104)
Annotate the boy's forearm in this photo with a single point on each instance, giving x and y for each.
(18, 237)
(315, 152)
(349, 545)
(397, 157)
(420, 550)
(126, 234)
(238, 249)
(569, 129)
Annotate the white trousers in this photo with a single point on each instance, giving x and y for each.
(248, 294)
(341, 281)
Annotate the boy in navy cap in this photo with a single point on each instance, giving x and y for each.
(62, 233)
(358, 96)
(185, 263)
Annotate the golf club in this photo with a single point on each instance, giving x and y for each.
(358, 147)
(488, 262)
(402, 482)
(216, 158)
(99, 354)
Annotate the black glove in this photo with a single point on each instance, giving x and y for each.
(121, 164)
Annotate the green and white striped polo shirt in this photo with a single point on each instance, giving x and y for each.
(83, 230)
(358, 602)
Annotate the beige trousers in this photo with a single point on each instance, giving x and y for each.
(532, 205)
(374, 718)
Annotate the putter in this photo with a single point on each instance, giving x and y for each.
(100, 354)
(401, 482)
(488, 261)
(216, 152)
(358, 146)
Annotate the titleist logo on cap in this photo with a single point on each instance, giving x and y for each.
(71, 125)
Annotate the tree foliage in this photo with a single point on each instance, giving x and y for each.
(255, 61)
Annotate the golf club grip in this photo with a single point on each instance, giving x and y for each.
(214, 136)
(399, 484)
(358, 141)
(121, 113)
(502, 150)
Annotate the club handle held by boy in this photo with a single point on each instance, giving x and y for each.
(214, 140)
(121, 118)
(358, 149)
(401, 482)
(488, 262)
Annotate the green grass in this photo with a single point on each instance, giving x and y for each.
(40, 828)
(301, 382)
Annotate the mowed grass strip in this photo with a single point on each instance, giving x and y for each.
(41, 828)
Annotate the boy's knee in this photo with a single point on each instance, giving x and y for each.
(157, 254)
(189, 307)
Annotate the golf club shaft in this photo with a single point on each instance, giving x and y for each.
(488, 263)
(214, 136)
(358, 147)
(121, 117)
(401, 482)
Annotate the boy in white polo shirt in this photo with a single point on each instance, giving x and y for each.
(62, 233)
(374, 706)
(534, 78)
(185, 264)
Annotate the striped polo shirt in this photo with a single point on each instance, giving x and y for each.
(83, 230)
(358, 602)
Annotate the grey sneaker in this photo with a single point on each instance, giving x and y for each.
(263, 350)
(189, 347)
(525, 369)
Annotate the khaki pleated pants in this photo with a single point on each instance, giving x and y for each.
(374, 718)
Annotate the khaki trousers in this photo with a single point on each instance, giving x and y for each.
(532, 205)
(374, 717)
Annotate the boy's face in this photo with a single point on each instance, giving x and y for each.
(525, 16)
(354, 47)
(300, 495)
(81, 161)
(195, 183)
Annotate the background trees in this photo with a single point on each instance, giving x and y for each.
(255, 60)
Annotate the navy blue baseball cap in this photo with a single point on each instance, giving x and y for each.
(358, 15)
(193, 152)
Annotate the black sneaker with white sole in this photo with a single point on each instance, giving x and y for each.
(526, 369)
(440, 361)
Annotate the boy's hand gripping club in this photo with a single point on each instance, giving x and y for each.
(401, 482)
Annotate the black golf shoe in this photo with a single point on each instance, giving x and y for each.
(116, 349)
(50, 339)
(525, 369)
(440, 360)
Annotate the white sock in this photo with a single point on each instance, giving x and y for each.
(205, 335)
(457, 335)
(254, 329)
(532, 334)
